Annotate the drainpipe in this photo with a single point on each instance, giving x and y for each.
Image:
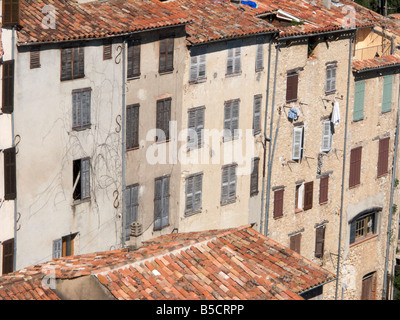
(388, 232)
(123, 140)
(343, 167)
(269, 148)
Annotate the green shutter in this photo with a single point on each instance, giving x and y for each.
(358, 112)
(387, 93)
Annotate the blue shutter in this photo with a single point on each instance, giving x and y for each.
(359, 92)
(387, 93)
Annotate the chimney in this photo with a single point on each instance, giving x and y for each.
(135, 239)
(326, 3)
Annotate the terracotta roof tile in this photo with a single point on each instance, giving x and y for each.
(376, 63)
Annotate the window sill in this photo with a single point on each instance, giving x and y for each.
(162, 141)
(330, 92)
(297, 210)
(82, 128)
(235, 74)
(71, 79)
(133, 77)
(363, 240)
(353, 187)
(165, 72)
(290, 101)
(253, 194)
(259, 70)
(358, 120)
(80, 201)
(133, 148)
(192, 148)
(382, 175)
(385, 112)
(199, 80)
(323, 203)
(227, 139)
(192, 213)
(228, 202)
(160, 228)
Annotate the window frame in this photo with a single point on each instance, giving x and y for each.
(359, 229)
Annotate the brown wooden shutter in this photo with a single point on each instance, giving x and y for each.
(10, 183)
(291, 87)
(133, 59)
(278, 203)
(8, 86)
(10, 13)
(308, 195)
(8, 256)
(319, 241)
(35, 58)
(107, 49)
(355, 167)
(295, 242)
(166, 58)
(368, 287)
(323, 189)
(383, 156)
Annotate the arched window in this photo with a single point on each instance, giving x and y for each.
(364, 225)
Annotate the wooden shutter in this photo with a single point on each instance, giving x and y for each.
(8, 86)
(260, 57)
(295, 242)
(133, 59)
(194, 68)
(387, 93)
(323, 189)
(198, 67)
(10, 179)
(85, 178)
(359, 92)
(194, 185)
(291, 87)
(234, 53)
(107, 49)
(228, 185)
(254, 177)
(257, 114)
(81, 105)
(66, 64)
(8, 256)
(165, 202)
(161, 203)
(330, 79)
(368, 290)
(232, 183)
(195, 127)
(163, 117)
(278, 203)
(229, 62)
(297, 143)
(11, 13)
(383, 156)
(57, 248)
(319, 241)
(308, 195)
(355, 167)
(131, 206)
(231, 119)
(326, 136)
(166, 58)
(78, 63)
(35, 58)
(132, 126)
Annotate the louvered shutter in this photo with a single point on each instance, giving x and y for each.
(10, 178)
(107, 49)
(78, 63)
(323, 189)
(76, 110)
(383, 156)
(194, 68)
(278, 203)
(295, 242)
(225, 185)
(8, 86)
(229, 62)
(157, 203)
(359, 92)
(227, 120)
(86, 103)
(257, 114)
(131, 206)
(237, 60)
(57, 248)
(319, 241)
(170, 54)
(260, 57)
(85, 178)
(330, 80)
(297, 143)
(189, 194)
(232, 182)
(200, 126)
(66, 64)
(132, 126)
(198, 190)
(326, 136)
(11, 13)
(8, 256)
(202, 66)
(163, 55)
(133, 59)
(254, 177)
(387, 93)
(308, 195)
(291, 87)
(35, 58)
(194, 185)
(355, 167)
(235, 118)
(163, 116)
(165, 202)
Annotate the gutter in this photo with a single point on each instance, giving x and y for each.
(321, 33)
(123, 141)
(317, 286)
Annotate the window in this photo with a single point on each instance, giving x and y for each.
(133, 68)
(8, 87)
(161, 203)
(299, 197)
(195, 127)
(297, 151)
(163, 119)
(131, 207)
(254, 177)
(326, 136)
(132, 126)
(278, 203)
(231, 119)
(387, 93)
(166, 60)
(81, 179)
(194, 185)
(72, 63)
(107, 49)
(359, 92)
(323, 189)
(368, 289)
(233, 62)
(295, 242)
(35, 57)
(10, 182)
(292, 80)
(308, 195)
(330, 85)
(355, 167)
(260, 55)
(363, 225)
(383, 156)
(257, 114)
(81, 101)
(198, 64)
(11, 13)
(64, 247)
(8, 256)
(312, 44)
(319, 241)
(228, 185)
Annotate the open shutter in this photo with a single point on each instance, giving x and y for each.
(355, 167)
(383, 156)
(10, 182)
(257, 114)
(157, 203)
(8, 256)
(254, 177)
(85, 178)
(193, 68)
(260, 57)
(323, 189)
(8, 86)
(291, 87)
(326, 136)
(308, 195)
(359, 92)
(66, 64)
(387, 93)
(57, 248)
(278, 203)
(319, 241)
(225, 185)
(165, 202)
(297, 143)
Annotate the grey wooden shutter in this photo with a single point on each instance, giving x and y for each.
(131, 206)
(278, 203)
(228, 186)
(132, 126)
(157, 203)
(81, 105)
(319, 241)
(359, 97)
(229, 62)
(194, 68)
(170, 54)
(291, 87)
(326, 136)
(163, 116)
(227, 120)
(195, 127)
(383, 156)
(11, 13)
(257, 114)
(355, 167)
(235, 118)
(8, 87)
(198, 190)
(194, 186)
(297, 143)
(237, 60)
(225, 186)
(133, 68)
(189, 194)
(166, 58)
(79, 62)
(201, 66)
(254, 177)
(165, 202)
(86, 106)
(57, 248)
(10, 176)
(66, 64)
(330, 85)
(260, 57)
(8, 256)
(85, 178)
(35, 57)
(232, 182)
(161, 203)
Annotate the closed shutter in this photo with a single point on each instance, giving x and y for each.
(330, 80)
(157, 203)
(355, 167)
(72, 63)
(194, 68)
(57, 248)
(8, 86)
(234, 56)
(163, 117)
(295, 242)
(132, 126)
(257, 114)
(35, 58)
(195, 127)
(165, 202)
(308, 195)
(79, 63)
(323, 189)
(278, 203)
(166, 55)
(8, 256)
(81, 105)
(11, 13)
(107, 50)
(359, 92)
(383, 156)
(229, 62)
(10, 181)
(131, 206)
(260, 57)
(228, 186)
(319, 241)
(133, 59)
(66, 64)
(367, 289)
(197, 67)
(326, 136)
(387, 93)
(291, 87)
(85, 178)
(161, 203)
(194, 185)
(297, 143)
(231, 119)
(254, 177)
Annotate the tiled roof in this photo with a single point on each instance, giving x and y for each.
(237, 263)
(94, 19)
(376, 63)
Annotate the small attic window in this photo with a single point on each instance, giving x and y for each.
(312, 44)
